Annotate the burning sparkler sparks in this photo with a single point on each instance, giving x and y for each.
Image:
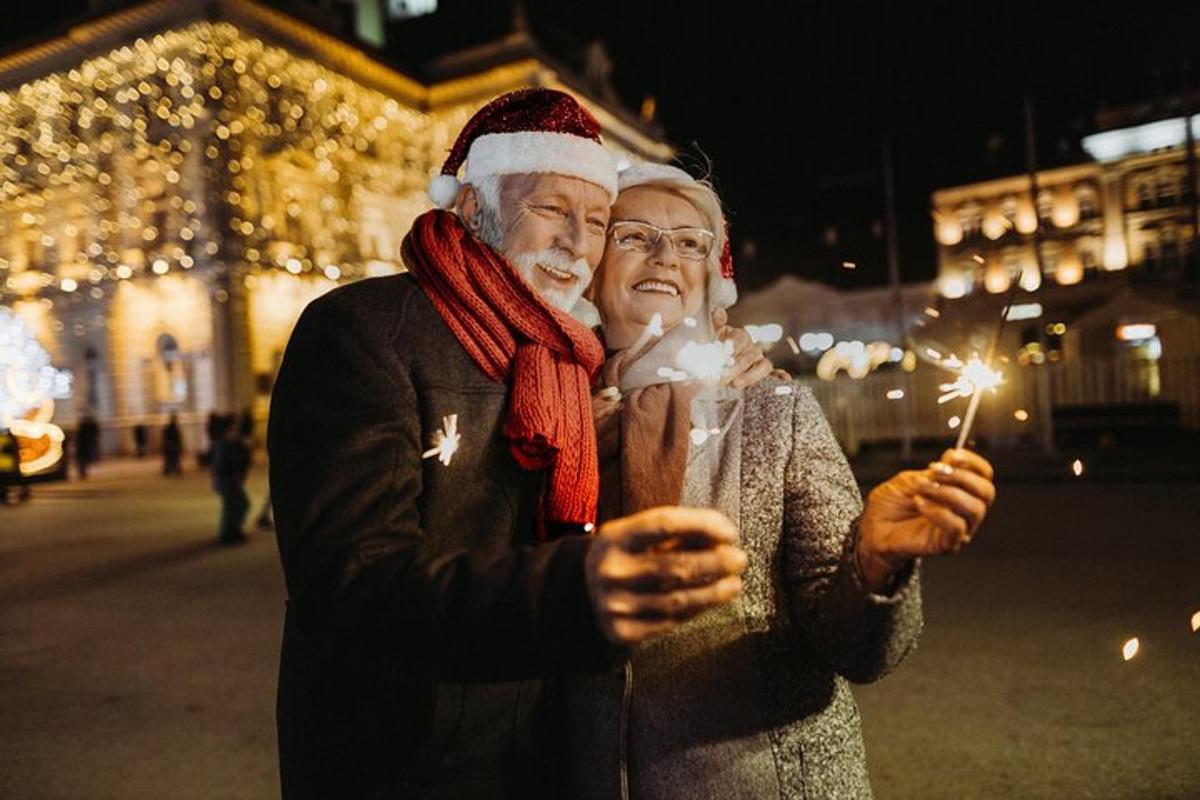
(895, 394)
(701, 435)
(975, 377)
(1021, 415)
(1077, 467)
(705, 362)
(445, 441)
(1196, 622)
(954, 422)
(1131, 648)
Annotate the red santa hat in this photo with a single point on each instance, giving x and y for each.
(722, 291)
(523, 132)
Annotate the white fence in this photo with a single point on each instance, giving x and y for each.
(1021, 408)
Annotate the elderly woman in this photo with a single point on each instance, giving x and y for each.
(752, 699)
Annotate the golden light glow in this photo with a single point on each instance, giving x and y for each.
(1021, 415)
(1131, 648)
(947, 229)
(1070, 269)
(1196, 622)
(895, 394)
(1077, 467)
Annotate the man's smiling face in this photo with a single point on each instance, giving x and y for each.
(551, 228)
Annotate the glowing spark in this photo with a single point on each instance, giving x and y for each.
(1196, 622)
(782, 390)
(705, 362)
(1077, 467)
(895, 394)
(1131, 648)
(954, 422)
(689, 322)
(700, 435)
(1021, 415)
(933, 312)
(765, 334)
(934, 354)
(792, 344)
(848, 265)
(974, 378)
(978, 258)
(654, 328)
(445, 441)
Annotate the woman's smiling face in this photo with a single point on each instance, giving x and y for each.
(632, 286)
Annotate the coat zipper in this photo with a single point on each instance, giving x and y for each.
(623, 745)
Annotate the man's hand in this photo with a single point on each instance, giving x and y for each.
(650, 571)
(750, 362)
(922, 513)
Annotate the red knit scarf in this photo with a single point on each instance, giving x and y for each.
(549, 358)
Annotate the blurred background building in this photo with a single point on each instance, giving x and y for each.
(179, 178)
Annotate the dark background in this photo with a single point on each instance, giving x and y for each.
(790, 101)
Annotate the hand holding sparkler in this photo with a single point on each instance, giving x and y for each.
(922, 513)
(653, 570)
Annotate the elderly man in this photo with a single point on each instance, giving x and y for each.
(434, 475)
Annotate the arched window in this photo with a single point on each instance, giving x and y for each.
(171, 384)
(1089, 205)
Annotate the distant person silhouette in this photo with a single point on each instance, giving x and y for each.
(141, 440)
(87, 445)
(230, 459)
(10, 469)
(172, 447)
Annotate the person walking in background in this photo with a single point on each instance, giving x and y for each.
(172, 447)
(10, 468)
(87, 445)
(229, 460)
(141, 440)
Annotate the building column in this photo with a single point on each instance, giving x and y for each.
(1116, 243)
(232, 373)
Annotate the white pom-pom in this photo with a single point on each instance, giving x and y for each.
(443, 190)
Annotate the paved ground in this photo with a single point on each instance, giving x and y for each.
(138, 661)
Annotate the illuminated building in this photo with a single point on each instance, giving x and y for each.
(178, 179)
(1129, 208)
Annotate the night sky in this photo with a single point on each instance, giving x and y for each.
(791, 101)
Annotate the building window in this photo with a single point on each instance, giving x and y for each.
(1088, 205)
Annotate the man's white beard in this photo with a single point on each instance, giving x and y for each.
(562, 299)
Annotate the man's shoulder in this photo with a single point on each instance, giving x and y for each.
(378, 307)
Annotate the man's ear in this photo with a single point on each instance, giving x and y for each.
(467, 204)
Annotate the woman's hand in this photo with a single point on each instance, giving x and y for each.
(750, 362)
(922, 513)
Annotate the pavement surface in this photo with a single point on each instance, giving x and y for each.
(138, 660)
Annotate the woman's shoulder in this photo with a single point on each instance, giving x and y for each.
(778, 391)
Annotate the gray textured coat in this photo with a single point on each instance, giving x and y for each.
(753, 700)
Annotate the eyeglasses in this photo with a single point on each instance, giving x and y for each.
(693, 244)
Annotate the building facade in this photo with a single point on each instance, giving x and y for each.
(178, 179)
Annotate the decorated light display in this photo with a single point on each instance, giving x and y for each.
(204, 145)
(29, 385)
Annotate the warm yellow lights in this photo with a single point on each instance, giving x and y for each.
(1136, 331)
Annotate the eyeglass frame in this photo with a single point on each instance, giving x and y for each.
(660, 233)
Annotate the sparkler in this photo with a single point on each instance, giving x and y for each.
(445, 441)
(976, 376)
(1196, 622)
(1077, 467)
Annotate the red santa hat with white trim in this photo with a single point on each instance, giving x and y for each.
(523, 132)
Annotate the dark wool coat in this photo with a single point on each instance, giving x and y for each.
(421, 611)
